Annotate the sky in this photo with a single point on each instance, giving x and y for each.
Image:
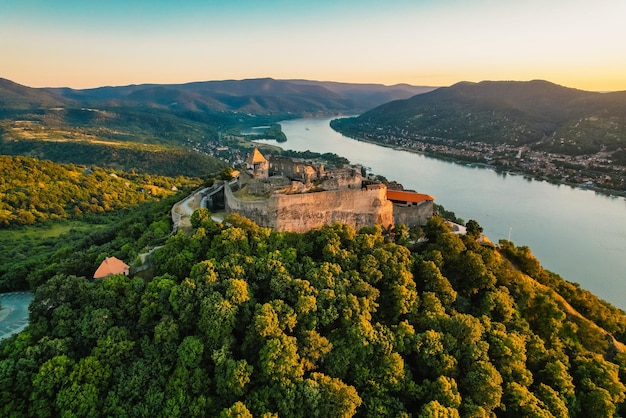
(87, 43)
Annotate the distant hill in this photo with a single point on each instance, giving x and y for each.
(140, 158)
(16, 96)
(96, 126)
(559, 118)
(261, 96)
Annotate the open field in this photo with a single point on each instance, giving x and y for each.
(50, 230)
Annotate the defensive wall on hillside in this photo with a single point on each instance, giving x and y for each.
(304, 211)
(411, 208)
(416, 215)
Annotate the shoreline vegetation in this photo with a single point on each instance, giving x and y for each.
(536, 128)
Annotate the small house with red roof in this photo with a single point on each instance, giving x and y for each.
(111, 266)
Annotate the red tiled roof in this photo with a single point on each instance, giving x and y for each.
(402, 196)
(111, 266)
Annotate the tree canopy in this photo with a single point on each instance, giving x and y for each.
(33, 191)
(240, 320)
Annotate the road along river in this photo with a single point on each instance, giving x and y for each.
(576, 233)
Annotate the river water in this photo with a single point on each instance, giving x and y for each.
(14, 312)
(579, 234)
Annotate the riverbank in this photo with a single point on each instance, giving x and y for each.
(498, 169)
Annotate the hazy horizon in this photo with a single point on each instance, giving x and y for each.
(430, 43)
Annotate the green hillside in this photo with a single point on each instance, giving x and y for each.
(538, 113)
(55, 217)
(32, 255)
(112, 124)
(33, 191)
(244, 321)
(59, 137)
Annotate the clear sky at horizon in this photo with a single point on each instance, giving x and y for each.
(89, 43)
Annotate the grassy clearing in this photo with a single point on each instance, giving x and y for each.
(45, 231)
(243, 194)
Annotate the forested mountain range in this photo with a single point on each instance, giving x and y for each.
(256, 96)
(539, 113)
(103, 126)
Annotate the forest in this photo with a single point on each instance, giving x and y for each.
(33, 191)
(239, 321)
(63, 218)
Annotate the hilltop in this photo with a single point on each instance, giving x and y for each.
(240, 320)
(234, 319)
(537, 128)
(539, 113)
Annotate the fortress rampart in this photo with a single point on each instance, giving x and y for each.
(302, 212)
(263, 212)
(416, 215)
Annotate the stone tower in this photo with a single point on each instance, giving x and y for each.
(257, 165)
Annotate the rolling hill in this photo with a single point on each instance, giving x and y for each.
(552, 117)
(17, 96)
(96, 126)
(264, 96)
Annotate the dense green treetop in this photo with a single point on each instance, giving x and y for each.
(240, 320)
(33, 191)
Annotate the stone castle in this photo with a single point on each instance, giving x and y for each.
(295, 195)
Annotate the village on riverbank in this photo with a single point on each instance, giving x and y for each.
(595, 172)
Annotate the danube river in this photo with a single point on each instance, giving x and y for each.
(14, 312)
(576, 233)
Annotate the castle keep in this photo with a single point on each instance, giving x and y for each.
(294, 195)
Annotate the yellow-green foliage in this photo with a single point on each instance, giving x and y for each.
(33, 191)
(244, 321)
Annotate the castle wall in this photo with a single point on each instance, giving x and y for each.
(302, 212)
(416, 215)
(263, 212)
(256, 187)
(342, 182)
(357, 208)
